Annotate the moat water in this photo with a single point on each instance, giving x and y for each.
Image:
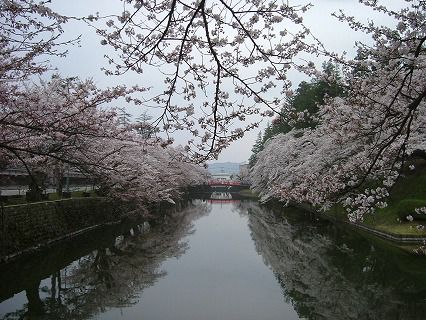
(218, 259)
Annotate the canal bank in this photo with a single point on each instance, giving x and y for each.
(28, 227)
(411, 242)
(217, 260)
(104, 255)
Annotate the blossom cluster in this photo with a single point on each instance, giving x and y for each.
(69, 124)
(357, 151)
(222, 62)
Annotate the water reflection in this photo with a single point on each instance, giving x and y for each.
(318, 271)
(221, 196)
(108, 269)
(330, 273)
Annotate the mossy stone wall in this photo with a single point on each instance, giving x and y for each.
(29, 225)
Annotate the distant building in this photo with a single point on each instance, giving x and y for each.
(223, 167)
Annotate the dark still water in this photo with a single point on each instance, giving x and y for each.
(218, 260)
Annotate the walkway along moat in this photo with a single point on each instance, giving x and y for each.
(217, 260)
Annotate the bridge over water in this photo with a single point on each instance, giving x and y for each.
(211, 186)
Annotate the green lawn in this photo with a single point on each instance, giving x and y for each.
(51, 197)
(408, 193)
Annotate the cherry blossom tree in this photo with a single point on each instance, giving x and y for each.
(61, 123)
(221, 62)
(53, 118)
(358, 150)
(145, 171)
(51, 122)
(30, 32)
(69, 122)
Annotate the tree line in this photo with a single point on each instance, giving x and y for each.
(358, 138)
(343, 137)
(53, 126)
(301, 109)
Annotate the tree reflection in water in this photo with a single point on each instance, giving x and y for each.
(113, 275)
(325, 272)
(330, 273)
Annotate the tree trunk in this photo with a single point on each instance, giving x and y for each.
(35, 305)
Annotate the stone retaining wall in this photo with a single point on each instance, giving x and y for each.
(34, 224)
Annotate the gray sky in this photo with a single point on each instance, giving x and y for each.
(85, 61)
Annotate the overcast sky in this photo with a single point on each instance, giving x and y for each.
(86, 61)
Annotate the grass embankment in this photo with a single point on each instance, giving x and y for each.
(407, 194)
(15, 200)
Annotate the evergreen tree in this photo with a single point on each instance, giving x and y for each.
(124, 118)
(144, 126)
(308, 96)
(257, 147)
